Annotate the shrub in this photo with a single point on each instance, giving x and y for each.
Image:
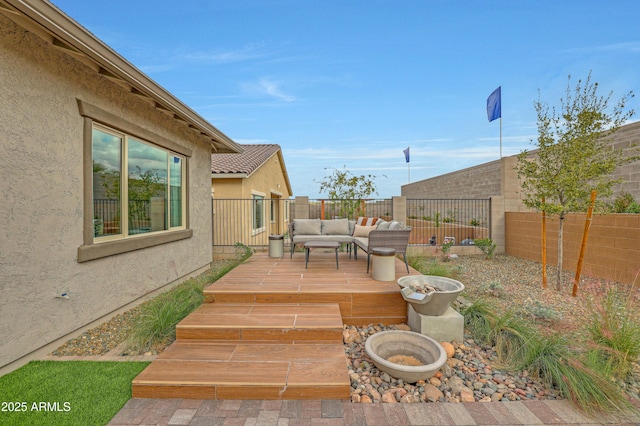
(623, 202)
(494, 289)
(537, 310)
(486, 246)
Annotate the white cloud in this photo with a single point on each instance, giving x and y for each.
(248, 52)
(269, 87)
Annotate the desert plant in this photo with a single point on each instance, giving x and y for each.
(613, 330)
(158, 318)
(156, 323)
(493, 288)
(506, 333)
(536, 310)
(486, 246)
(431, 266)
(521, 347)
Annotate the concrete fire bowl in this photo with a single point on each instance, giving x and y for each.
(427, 353)
(433, 303)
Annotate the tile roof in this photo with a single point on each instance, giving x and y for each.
(247, 162)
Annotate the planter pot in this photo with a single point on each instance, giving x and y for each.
(433, 303)
(385, 347)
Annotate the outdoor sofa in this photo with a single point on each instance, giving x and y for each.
(365, 233)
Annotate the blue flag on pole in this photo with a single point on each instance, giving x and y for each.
(406, 154)
(494, 107)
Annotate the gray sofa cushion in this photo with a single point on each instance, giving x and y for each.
(382, 225)
(335, 227)
(395, 225)
(299, 239)
(307, 226)
(362, 242)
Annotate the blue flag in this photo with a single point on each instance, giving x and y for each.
(494, 105)
(406, 154)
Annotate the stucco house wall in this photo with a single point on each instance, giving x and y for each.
(42, 214)
(232, 193)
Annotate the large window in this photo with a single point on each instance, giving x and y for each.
(149, 194)
(135, 186)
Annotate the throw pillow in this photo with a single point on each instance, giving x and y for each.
(306, 226)
(363, 231)
(366, 221)
(335, 227)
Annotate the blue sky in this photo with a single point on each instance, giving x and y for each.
(353, 83)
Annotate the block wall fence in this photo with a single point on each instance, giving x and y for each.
(612, 252)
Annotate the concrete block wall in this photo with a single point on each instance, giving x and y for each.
(482, 181)
(612, 250)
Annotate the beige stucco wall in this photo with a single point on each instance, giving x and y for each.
(41, 208)
(268, 179)
(232, 219)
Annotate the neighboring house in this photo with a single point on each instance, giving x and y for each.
(257, 174)
(105, 182)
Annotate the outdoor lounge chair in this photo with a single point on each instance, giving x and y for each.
(397, 239)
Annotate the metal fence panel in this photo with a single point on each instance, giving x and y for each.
(434, 220)
(250, 221)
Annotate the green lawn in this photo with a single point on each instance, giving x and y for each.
(83, 393)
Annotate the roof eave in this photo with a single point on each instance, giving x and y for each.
(51, 24)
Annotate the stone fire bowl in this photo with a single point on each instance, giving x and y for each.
(434, 303)
(386, 344)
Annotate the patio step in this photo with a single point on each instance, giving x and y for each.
(263, 322)
(273, 330)
(213, 370)
(266, 280)
(247, 351)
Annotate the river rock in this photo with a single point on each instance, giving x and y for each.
(351, 336)
(432, 393)
(389, 397)
(449, 349)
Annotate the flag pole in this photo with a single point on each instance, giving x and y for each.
(409, 169)
(500, 135)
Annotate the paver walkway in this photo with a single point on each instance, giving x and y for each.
(333, 412)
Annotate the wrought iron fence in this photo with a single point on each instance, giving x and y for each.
(248, 221)
(108, 212)
(434, 220)
(251, 221)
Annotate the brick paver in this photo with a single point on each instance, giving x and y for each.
(139, 411)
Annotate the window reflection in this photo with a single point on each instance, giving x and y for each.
(147, 187)
(152, 189)
(107, 158)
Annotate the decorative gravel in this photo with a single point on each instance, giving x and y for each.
(466, 377)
